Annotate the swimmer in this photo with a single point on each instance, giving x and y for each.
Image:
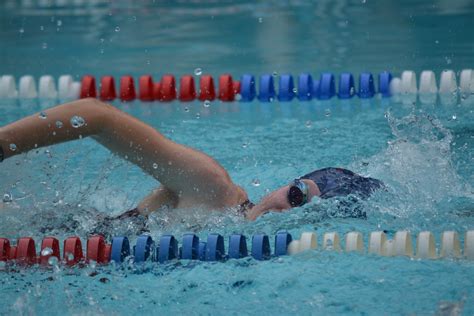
(188, 177)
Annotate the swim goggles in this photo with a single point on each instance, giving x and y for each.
(298, 193)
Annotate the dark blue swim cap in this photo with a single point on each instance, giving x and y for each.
(341, 182)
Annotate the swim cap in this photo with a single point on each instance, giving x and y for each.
(1, 154)
(341, 182)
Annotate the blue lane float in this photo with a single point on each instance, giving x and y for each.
(247, 88)
(346, 86)
(120, 249)
(384, 84)
(282, 240)
(266, 89)
(237, 246)
(168, 249)
(327, 86)
(261, 247)
(190, 248)
(215, 250)
(143, 249)
(366, 86)
(305, 87)
(285, 88)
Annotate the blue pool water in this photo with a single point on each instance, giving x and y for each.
(423, 152)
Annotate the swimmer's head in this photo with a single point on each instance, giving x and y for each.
(323, 183)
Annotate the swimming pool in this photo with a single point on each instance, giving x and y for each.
(422, 151)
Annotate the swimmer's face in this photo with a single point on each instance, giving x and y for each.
(278, 200)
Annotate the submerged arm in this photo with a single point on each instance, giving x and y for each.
(188, 173)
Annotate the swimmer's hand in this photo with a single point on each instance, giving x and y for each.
(276, 201)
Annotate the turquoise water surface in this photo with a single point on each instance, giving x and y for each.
(423, 153)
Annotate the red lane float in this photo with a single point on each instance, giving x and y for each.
(72, 253)
(157, 91)
(127, 89)
(206, 87)
(187, 90)
(146, 88)
(4, 249)
(168, 88)
(96, 250)
(12, 252)
(52, 244)
(236, 86)
(226, 88)
(107, 88)
(88, 89)
(26, 251)
(107, 251)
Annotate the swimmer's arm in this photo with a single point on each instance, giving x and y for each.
(156, 199)
(188, 173)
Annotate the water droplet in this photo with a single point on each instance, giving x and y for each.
(47, 251)
(7, 198)
(70, 257)
(59, 23)
(92, 264)
(256, 182)
(13, 147)
(155, 165)
(308, 124)
(186, 109)
(117, 29)
(207, 103)
(198, 71)
(448, 60)
(436, 42)
(41, 28)
(77, 121)
(275, 73)
(42, 115)
(44, 45)
(53, 261)
(238, 97)
(327, 113)
(364, 1)
(21, 31)
(198, 115)
(352, 91)
(244, 145)
(324, 130)
(295, 90)
(59, 124)
(102, 40)
(454, 117)
(260, 20)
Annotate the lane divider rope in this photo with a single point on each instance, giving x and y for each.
(167, 248)
(305, 88)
